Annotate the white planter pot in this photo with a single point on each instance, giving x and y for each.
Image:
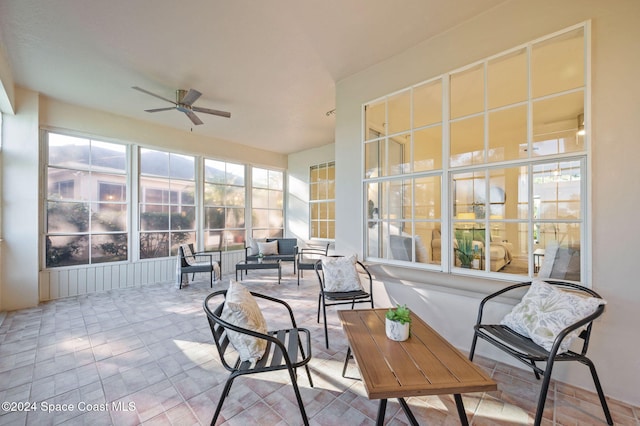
(397, 331)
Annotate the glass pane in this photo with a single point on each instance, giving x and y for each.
(66, 184)
(182, 166)
(260, 178)
(153, 217)
(108, 157)
(558, 64)
(69, 151)
(467, 92)
(154, 163)
(184, 217)
(276, 219)
(214, 171)
(427, 104)
(108, 217)
(427, 197)
(109, 248)
(185, 190)
(467, 142)
(260, 218)
(67, 250)
(234, 239)
(398, 153)
(557, 253)
(178, 238)
(372, 160)
(154, 244)
(399, 112)
(507, 134)
(213, 240)
(469, 198)
(214, 218)
(557, 190)
(427, 149)
(260, 198)
(235, 218)
(507, 190)
(235, 174)
(507, 79)
(214, 194)
(375, 120)
(555, 124)
(322, 190)
(154, 190)
(235, 196)
(275, 199)
(508, 248)
(276, 180)
(67, 217)
(108, 187)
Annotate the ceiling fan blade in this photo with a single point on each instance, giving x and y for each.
(152, 94)
(191, 96)
(160, 109)
(212, 111)
(194, 118)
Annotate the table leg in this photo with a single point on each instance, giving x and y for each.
(382, 408)
(279, 272)
(346, 361)
(463, 416)
(407, 411)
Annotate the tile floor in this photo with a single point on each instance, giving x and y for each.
(145, 356)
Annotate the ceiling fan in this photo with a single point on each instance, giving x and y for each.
(184, 103)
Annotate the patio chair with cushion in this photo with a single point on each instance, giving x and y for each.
(542, 327)
(341, 283)
(194, 262)
(246, 347)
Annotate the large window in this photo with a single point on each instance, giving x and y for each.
(167, 202)
(322, 203)
(86, 203)
(480, 170)
(224, 205)
(267, 207)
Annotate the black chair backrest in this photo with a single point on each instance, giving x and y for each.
(218, 326)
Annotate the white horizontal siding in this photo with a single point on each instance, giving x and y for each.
(61, 282)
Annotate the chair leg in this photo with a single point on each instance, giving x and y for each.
(319, 301)
(326, 332)
(472, 351)
(294, 383)
(603, 401)
(223, 396)
(346, 361)
(542, 399)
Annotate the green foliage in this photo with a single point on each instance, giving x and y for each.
(400, 314)
(465, 258)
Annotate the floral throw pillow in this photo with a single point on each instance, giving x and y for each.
(546, 310)
(241, 309)
(340, 274)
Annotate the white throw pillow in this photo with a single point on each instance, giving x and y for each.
(546, 310)
(340, 274)
(268, 248)
(253, 246)
(241, 309)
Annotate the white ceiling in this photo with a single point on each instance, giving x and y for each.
(272, 64)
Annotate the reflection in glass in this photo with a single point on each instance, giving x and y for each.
(108, 248)
(555, 124)
(399, 107)
(557, 64)
(375, 120)
(507, 133)
(65, 217)
(467, 142)
(68, 151)
(467, 92)
(427, 149)
(427, 104)
(507, 79)
(67, 250)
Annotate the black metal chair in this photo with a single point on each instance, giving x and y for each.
(334, 298)
(286, 349)
(528, 352)
(308, 256)
(192, 262)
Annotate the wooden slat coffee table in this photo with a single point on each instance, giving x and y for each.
(425, 364)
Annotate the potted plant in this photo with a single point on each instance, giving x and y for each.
(398, 323)
(466, 258)
(260, 257)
